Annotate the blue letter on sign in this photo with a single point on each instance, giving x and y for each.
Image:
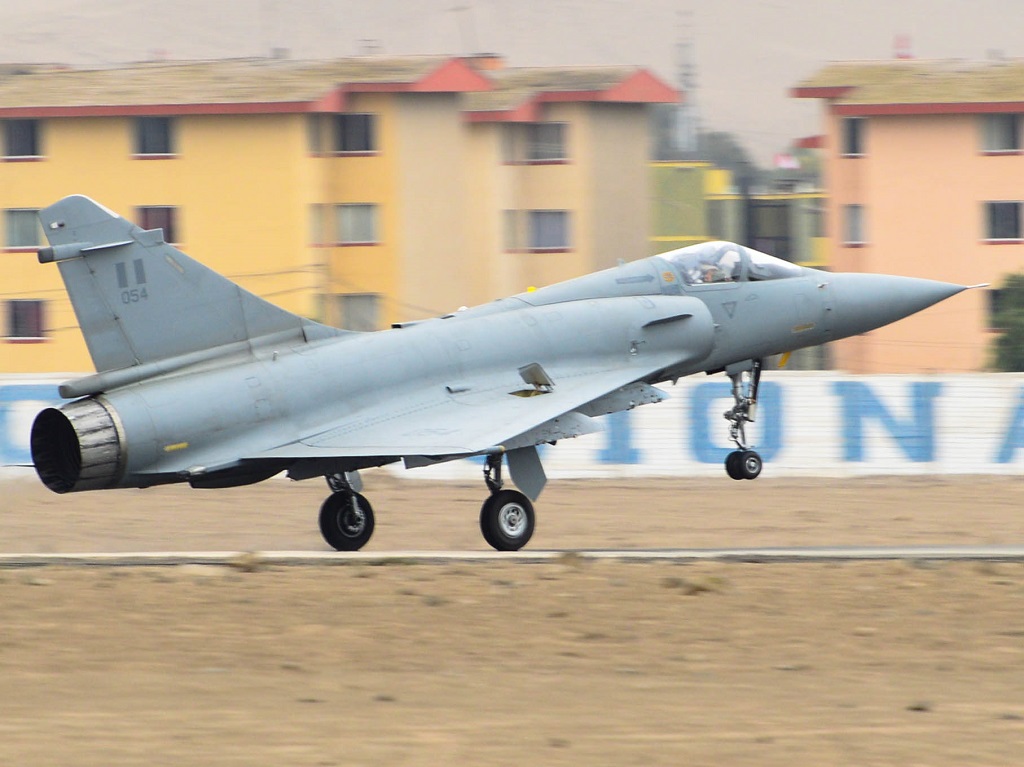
(619, 429)
(1014, 434)
(709, 400)
(14, 449)
(915, 435)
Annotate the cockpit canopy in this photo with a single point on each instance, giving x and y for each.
(718, 262)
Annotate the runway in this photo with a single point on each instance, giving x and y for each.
(249, 559)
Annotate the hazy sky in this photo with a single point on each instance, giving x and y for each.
(748, 54)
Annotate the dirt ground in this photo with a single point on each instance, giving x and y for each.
(569, 662)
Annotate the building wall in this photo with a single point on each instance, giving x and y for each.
(602, 183)
(245, 187)
(80, 156)
(434, 270)
(616, 178)
(923, 182)
(554, 186)
(237, 185)
(234, 182)
(694, 202)
(374, 179)
(678, 205)
(490, 268)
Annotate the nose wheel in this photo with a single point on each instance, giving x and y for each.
(743, 463)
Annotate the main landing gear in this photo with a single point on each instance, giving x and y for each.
(346, 517)
(743, 463)
(506, 518)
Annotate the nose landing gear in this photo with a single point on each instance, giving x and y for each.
(743, 463)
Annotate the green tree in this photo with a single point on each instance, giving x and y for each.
(1008, 318)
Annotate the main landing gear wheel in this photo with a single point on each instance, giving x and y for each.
(346, 520)
(743, 464)
(507, 520)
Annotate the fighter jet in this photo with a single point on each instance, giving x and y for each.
(200, 381)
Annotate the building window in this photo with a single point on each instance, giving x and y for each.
(355, 133)
(771, 228)
(159, 217)
(536, 230)
(25, 320)
(548, 230)
(357, 311)
(357, 224)
(853, 130)
(853, 225)
(153, 136)
(21, 138)
(22, 229)
(1002, 221)
(342, 134)
(1000, 133)
(534, 143)
(545, 142)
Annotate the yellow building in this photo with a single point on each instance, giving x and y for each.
(695, 202)
(924, 167)
(359, 191)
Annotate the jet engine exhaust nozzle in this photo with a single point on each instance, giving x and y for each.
(77, 447)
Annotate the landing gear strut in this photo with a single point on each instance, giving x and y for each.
(743, 463)
(346, 517)
(506, 518)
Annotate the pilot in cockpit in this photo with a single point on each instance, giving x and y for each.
(724, 266)
(725, 262)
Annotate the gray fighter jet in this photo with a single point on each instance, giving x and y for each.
(199, 381)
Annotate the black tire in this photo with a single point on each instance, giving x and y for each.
(486, 515)
(750, 464)
(346, 521)
(507, 520)
(732, 464)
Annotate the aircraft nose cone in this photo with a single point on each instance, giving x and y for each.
(863, 302)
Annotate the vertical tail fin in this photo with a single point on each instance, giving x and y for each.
(139, 300)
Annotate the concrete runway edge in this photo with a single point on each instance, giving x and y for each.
(254, 559)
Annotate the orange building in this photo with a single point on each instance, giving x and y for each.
(924, 166)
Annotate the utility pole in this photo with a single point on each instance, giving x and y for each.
(687, 122)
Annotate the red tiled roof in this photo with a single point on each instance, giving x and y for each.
(519, 93)
(918, 87)
(229, 86)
